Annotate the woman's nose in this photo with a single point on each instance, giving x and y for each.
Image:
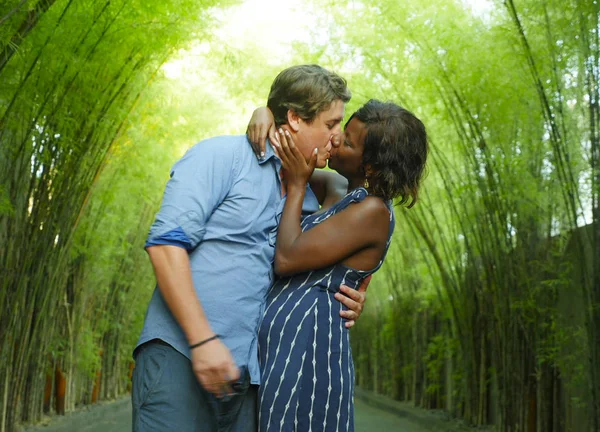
(335, 140)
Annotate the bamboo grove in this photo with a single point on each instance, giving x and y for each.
(71, 74)
(495, 287)
(488, 306)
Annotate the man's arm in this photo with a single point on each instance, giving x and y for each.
(199, 183)
(212, 362)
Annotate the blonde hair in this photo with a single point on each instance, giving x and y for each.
(307, 90)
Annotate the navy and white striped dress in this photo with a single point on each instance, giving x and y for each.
(307, 373)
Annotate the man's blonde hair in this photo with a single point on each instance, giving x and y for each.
(307, 90)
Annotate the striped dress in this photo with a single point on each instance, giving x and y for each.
(307, 373)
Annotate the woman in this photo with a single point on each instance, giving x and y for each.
(304, 348)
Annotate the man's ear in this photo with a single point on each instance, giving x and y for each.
(293, 120)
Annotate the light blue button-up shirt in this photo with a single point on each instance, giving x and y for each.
(223, 205)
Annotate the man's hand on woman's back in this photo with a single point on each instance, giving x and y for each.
(354, 300)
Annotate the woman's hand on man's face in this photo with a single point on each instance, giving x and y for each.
(296, 170)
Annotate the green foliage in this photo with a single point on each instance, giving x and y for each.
(6, 207)
(490, 277)
(88, 353)
(509, 171)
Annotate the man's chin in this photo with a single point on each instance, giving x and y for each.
(321, 163)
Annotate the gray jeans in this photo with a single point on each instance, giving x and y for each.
(166, 396)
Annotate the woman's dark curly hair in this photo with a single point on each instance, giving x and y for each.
(395, 148)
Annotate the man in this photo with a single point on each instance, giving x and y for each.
(212, 248)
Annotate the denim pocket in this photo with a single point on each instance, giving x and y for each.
(148, 370)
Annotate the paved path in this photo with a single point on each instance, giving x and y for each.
(116, 417)
(370, 419)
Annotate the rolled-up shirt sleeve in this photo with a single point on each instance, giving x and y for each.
(199, 182)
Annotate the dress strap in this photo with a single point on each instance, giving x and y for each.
(354, 196)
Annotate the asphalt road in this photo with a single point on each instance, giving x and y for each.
(116, 417)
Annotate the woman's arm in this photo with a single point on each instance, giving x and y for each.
(360, 226)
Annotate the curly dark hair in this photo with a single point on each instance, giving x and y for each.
(395, 148)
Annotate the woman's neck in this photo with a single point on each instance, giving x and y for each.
(355, 183)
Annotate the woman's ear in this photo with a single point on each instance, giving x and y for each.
(293, 120)
(368, 170)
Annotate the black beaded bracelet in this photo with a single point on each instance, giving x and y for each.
(204, 341)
